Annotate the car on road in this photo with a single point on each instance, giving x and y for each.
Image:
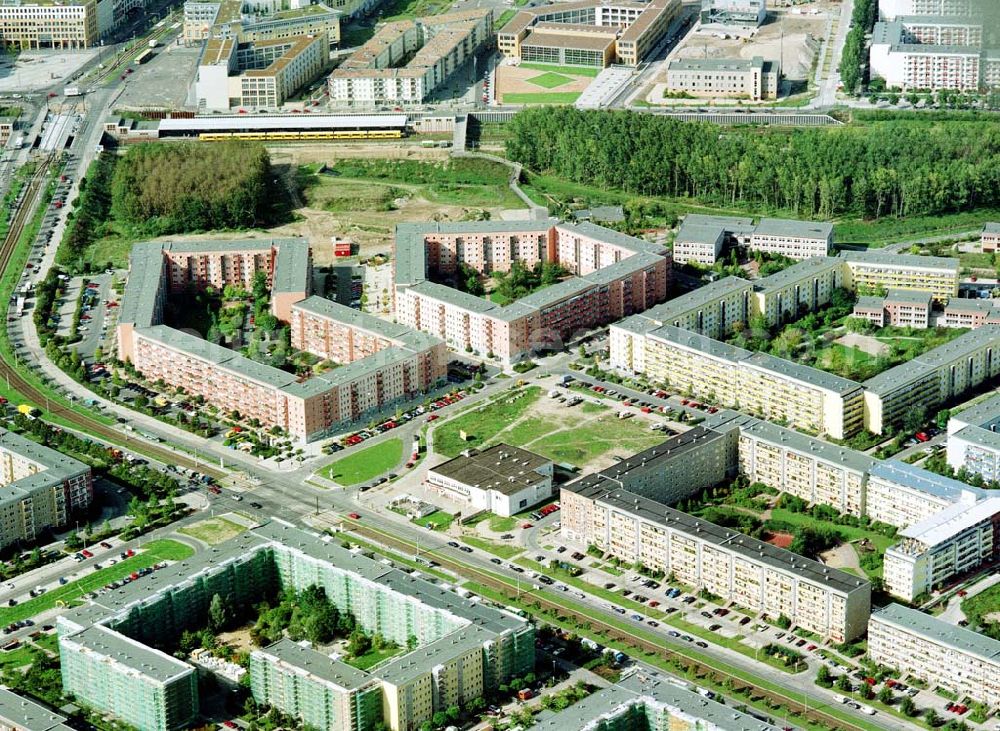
(256, 505)
(105, 544)
(466, 549)
(86, 554)
(497, 561)
(453, 544)
(354, 516)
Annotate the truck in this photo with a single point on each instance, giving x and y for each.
(72, 91)
(18, 142)
(153, 43)
(342, 248)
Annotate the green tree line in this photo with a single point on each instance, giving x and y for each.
(855, 54)
(877, 170)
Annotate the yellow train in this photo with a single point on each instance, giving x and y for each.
(354, 134)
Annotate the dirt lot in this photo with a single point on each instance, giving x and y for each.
(514, 80)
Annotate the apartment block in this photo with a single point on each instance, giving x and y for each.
(816, 471)
(899, 308)
(894, 9)
(406, 60)
(898, 56)
(649, 700)
(943, 30)
(801, 288)
(39, 489)
(745, 13)
(931, 379)
(753, 79)
(462, 646)
(587, 33)
(903, 495)
(970, 313)
(502, 479)
(973, 441)
(931, 553)
(702, 239)
(872, 272)
(754, 575)
(794, 239)
(18, 713)
(614, 275)
(990, 238)
(57, 25)
(259, 20)
(941, 654)
(383, 363)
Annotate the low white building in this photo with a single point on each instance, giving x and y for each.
(503, 479)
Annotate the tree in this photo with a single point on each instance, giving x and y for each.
(823, 676)
(885, 695)
(907, 707)
(217, 615)
(358, 643)
(439, 719)
(931, 717)
(453, 713)
(476, 706)
(844, 683)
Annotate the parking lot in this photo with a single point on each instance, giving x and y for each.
(34, 70)
(164, 81)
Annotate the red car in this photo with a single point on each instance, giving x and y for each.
(354, 516)
(526, 525)
(129, 553)
(922, 437)
(86, 553)
(432, 417)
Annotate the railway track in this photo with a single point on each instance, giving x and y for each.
(19, 222)
(816, 715)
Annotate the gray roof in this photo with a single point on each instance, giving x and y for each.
(806, 374)
(886, 258)
(598, 487)
(792, 228)
(991, 228)
(145, 273)
(806, 268)
(809, 446)
(503, 468)
(557, 293)
(291, 266)
(716, 64)
(694, 233)
(22, 714)
(698, 228)
(869, 303)
(451, 296)
(649, 689)
(964, 304)
(349, 316)
(701, 343)
(55, 468)
(960, 20)
(943, 633)
(893, 33)
(250, 122)
(403, 669)
(124, 651)
(909, 297)
(659, 456)
(612, 272)
(322, 667)
(921, 480)
(699, 297)
(983, 413)
(609, 235)
(977, 436)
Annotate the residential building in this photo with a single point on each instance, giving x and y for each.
(407, 60)
(899, 308)
(903, 495)
(586, 32)
(801, 288)
(970, 313)
(752, 79)
(898, 57)
(938, 653)
(933, 378)
(702, 239)
(873, 272)
(973, 441)
(646, 700)
(613, 275)
(18, 713)
(261, 73)
(754, 575)
(744, 13)
(794, 239)
(383, 364)
(26, 25)
(40, 489)
(265, 20)
(933, 552)
(502, 479)
(457, 646)
(943, 30)
(990, 238)
(894, 9)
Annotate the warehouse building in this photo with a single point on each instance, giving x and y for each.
(754, 575)
(587, 33)
(501, 479)
(938, 653)
(459, 646)
(730, 78)
(613, 275)
(40, 489)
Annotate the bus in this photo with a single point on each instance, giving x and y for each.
(143, 57)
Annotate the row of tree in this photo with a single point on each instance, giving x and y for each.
(878, 169)
(855, 55)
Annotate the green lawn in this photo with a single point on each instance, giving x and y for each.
(566, 70)
(439, 519)
(213, 530)
(152, 553)
(891, 230)
(365, 464)
(23, 655)
(48, 642)
(982, 604)
(851, 533)
(548, 97)
(595, 439)
(502, 550)
(550, 80)
(482, 423)
(372, 657)
(500, 524)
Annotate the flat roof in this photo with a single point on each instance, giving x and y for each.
(949, 522)
(503, 468)
(816, 448)
(982, 413)
(601, 489)
(699, 297)
(610, 236)
(940, 632)
(715, 64)
(800, 270)
(122, 650)
(916, 478)
(701, 343)
(803, 373)
(991, 228)
(957, 304)
(909, 261)
(250, 122)
(909, 297)
(559, 40)
(676, 447)
(792, 228)
(870, 303)
(322, 667)
(23, 714)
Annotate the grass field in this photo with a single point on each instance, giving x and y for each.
(152, 553)
(23, 655)
(595, 439)
(480, 424)
(372, 657)
(365, 464)
(439, 519)
(565, 70)
(213, 530)
(848, 354)
(893, 230)
(979, 606)
(549, 80)
(500, 524)
(548, 97)
(502, 550)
